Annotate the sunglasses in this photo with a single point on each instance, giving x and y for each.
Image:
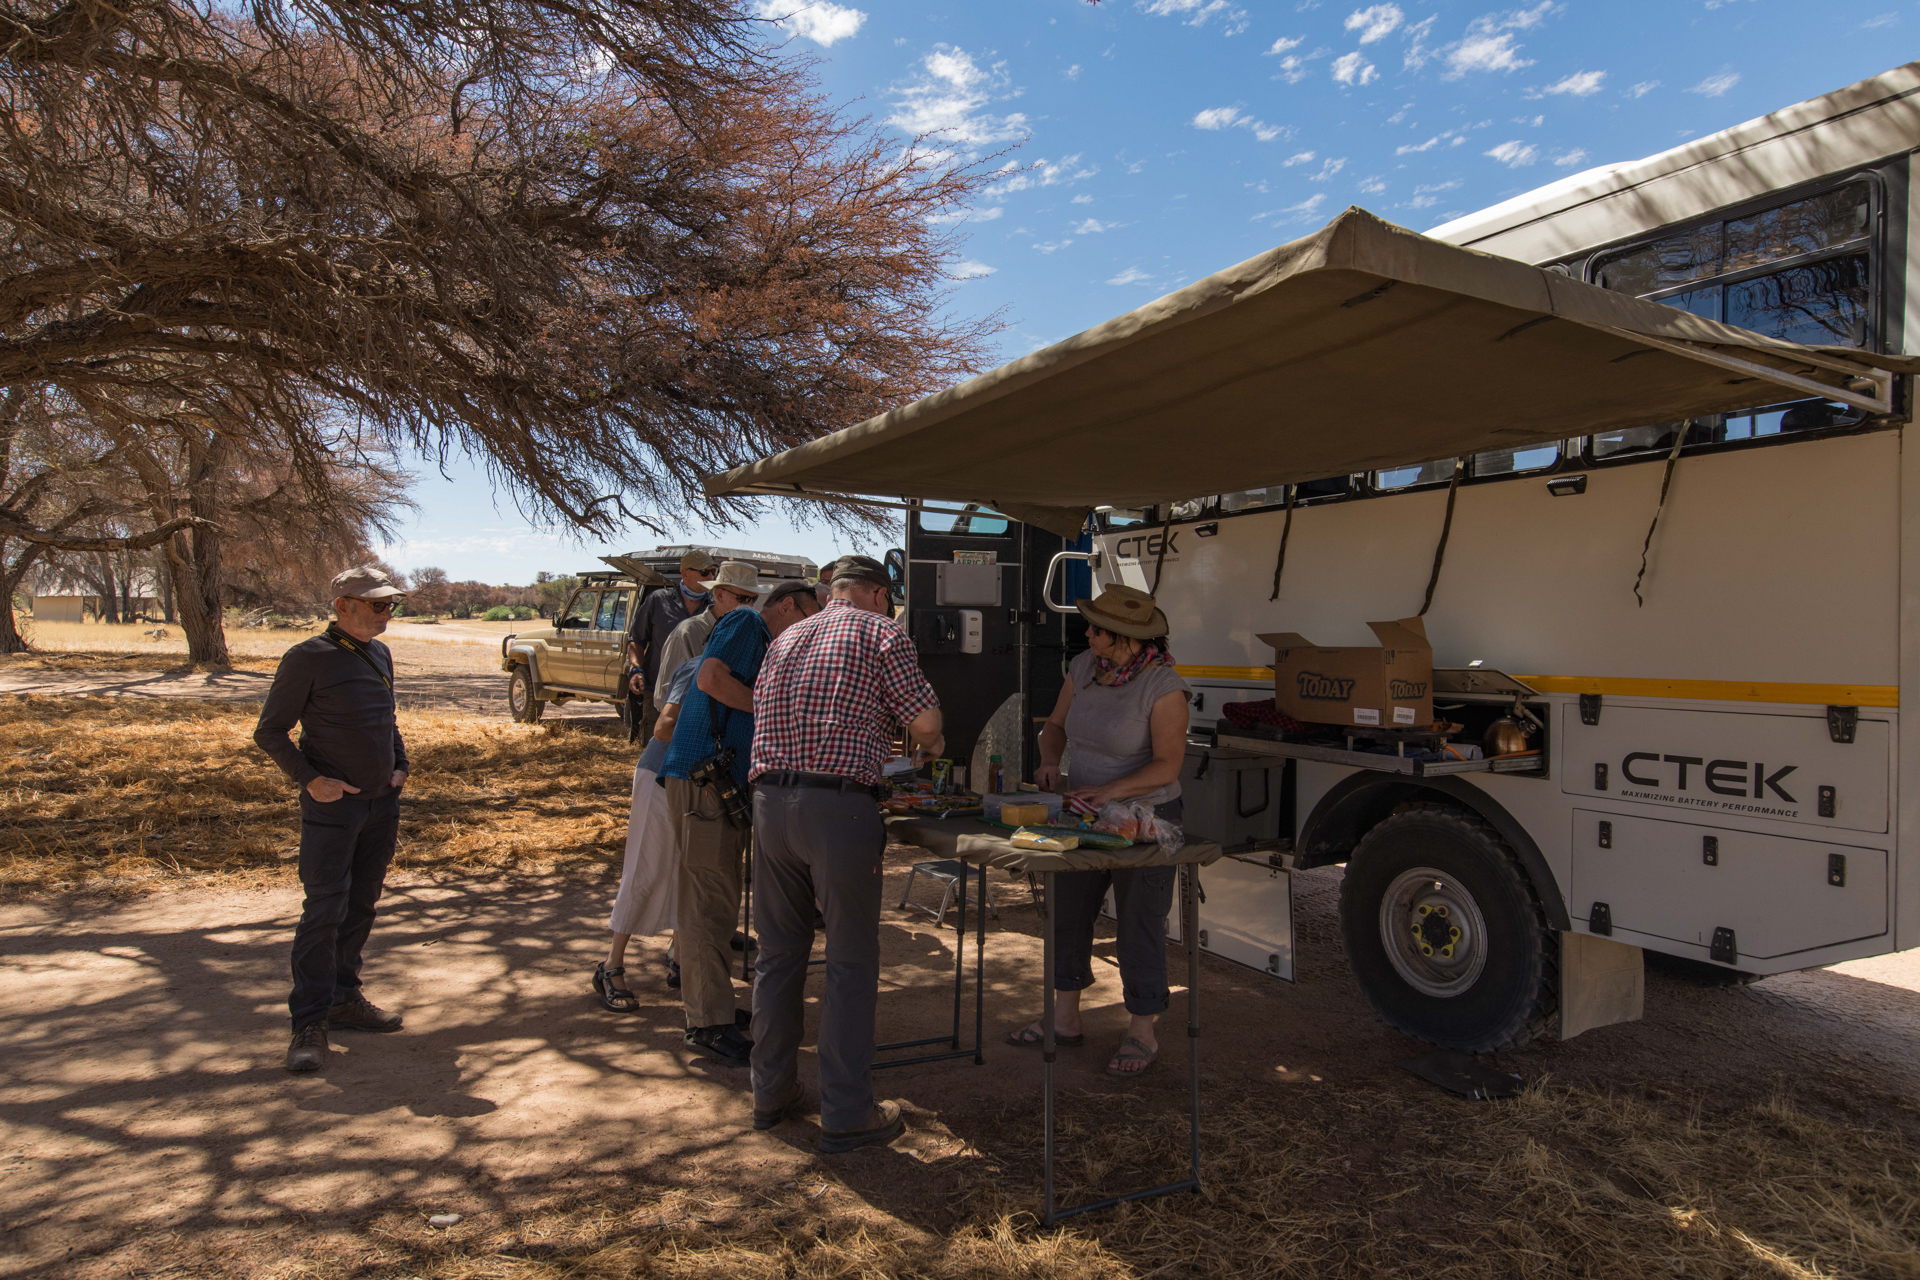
(378, 606)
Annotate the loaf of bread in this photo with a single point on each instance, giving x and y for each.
(1022, 815)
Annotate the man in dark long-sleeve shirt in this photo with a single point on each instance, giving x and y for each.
(350, 765)
(654, 621)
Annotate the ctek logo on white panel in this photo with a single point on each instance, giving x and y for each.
(1729, 786)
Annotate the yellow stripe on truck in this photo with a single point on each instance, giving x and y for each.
(1840, 695)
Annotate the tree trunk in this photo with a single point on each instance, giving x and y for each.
(11, 572)
(194, 557)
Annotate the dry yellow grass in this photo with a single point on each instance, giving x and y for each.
(1318, 1183)
(114, 794)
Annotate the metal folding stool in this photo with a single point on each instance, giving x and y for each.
(948, 871)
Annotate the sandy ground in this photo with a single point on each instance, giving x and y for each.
(143, 1107)
(451, 666)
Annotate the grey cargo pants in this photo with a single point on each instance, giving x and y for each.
(811, 844)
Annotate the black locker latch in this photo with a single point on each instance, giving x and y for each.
(1841, 722)
(1600, 919)
(1724, 948)
(1589, 708)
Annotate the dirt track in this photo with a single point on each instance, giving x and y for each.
(143, 1104)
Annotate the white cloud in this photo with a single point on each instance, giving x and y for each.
(1581, 84)
(1048, 246)
(1416, 38)
(1422, 202)
(1353, 69)
(822, 21)
(1293, 68)
(1642, 89)
(1302, 158)
(1197, 13)
(1132, 275)
(1371, 186)
(947, 100)
(1375, 22)
(1534, 121)
(1283, 44)
(1411, 147)
(1716, 85)
(1568, 159)
(1093, 226)
(1041, 173)
(1083, 198)
(1301, 212)
(1489, 43)
(967, 215)
(1880, 20)
(1216, 118)
(1072, 72)
(1514, 154)
(1327, 169)
(1437, 186)
(968, 269)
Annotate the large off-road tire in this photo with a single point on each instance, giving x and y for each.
(520, 700)
(1445, 933)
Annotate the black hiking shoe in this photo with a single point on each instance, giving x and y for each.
(308, 1052)
(765, 1118)
(723, 1043)
(361, 1014)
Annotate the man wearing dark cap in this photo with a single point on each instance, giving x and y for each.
(830, 693)
(653, 622)
(350, 765)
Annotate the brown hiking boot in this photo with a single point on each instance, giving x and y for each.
(884, 1124)
(308, 1052)
(361, 1014)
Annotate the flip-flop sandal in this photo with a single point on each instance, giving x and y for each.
(1142, 1055)
(613, 999)
(1031, 1037)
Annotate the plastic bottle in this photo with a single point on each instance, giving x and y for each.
(996, 777)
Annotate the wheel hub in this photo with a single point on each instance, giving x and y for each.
(1434, 933)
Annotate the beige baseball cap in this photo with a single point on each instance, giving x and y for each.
(365, 583)
(696, 560)
(736, 575)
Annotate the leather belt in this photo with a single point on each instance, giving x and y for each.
(822, 781)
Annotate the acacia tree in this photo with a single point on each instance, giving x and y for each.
(603, 246)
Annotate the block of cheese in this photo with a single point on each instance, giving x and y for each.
(1022, 815)
(1044, 841)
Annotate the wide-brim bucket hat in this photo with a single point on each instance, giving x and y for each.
(1125, 611)
(736, 575)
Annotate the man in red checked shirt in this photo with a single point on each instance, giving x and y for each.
(829, 695)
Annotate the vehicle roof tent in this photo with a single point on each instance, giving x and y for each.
(1361, 346)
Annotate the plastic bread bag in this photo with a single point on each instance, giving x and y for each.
(1136, 821)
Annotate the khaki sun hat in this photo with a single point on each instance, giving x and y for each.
(1125, 611)
(365, 583)
(696, 560)
(736, 575)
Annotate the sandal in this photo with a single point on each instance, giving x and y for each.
(1140, 1054)
(613, 999)
(1032, 1037)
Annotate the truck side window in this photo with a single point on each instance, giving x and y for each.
(1273, 495)
(613, 612)
(1506, 462)
(1393, 478)
(960, 522)
(1801, 270)
(580, 610)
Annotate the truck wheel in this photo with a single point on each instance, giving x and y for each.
(1445, 934)
(520, 700)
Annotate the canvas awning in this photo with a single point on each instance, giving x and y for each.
(1364, 345)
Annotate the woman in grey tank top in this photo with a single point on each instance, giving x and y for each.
(1124, 709)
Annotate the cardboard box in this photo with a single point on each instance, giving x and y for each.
(1387, 687)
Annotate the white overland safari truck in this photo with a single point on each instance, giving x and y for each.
(1632, 443)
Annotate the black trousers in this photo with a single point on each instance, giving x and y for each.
(345, 848)
(1142, 896)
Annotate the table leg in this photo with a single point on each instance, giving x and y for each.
(960, 957)
(1190, 926)
(980, 976)
(1046, 1035)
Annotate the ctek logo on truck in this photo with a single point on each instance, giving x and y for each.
(1406, 690)
(1146, 546)
(1324, 688)
(1697, 781)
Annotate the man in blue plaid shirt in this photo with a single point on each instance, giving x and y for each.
(829, 695)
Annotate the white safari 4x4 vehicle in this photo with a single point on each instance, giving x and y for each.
(583, 654)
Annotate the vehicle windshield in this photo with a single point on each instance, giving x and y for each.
(580, 609)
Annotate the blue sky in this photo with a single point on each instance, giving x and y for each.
(1152, 142)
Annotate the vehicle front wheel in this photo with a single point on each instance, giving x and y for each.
(1445, 934)
(520, 700)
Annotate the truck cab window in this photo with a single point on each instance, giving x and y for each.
(580, 611)
(1800, 271)
(1506, 462)
(1393, 478)
(1252, 499)
(971, 520)
(1120, 518)
(612, 615)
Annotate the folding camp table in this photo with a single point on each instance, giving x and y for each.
(991, 846)
(954, 1048)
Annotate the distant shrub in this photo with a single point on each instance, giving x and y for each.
(507, 613)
